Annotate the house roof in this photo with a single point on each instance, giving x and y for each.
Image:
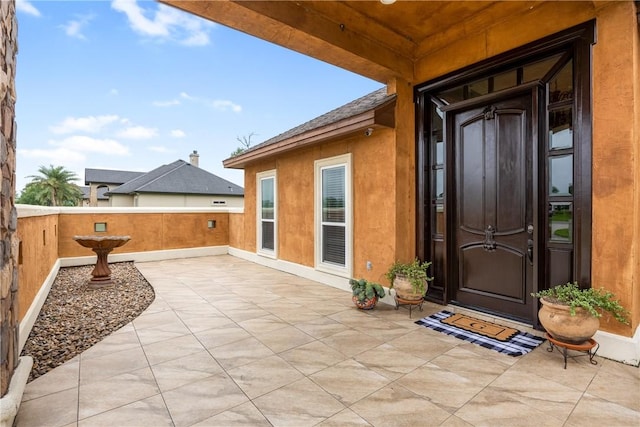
(370, 111)
(108, 176)
(179, 177)
(86, 191)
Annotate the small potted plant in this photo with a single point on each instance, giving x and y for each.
(572, 315)
(365, 293)
(410, 280)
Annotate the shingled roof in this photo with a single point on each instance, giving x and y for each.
(371, 110)
(106, 176)
(180, 177)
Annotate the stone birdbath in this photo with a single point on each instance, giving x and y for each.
(101, 245)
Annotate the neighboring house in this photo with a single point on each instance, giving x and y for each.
(102, 199)
(177, 184)
(504, 148)
(104, 180)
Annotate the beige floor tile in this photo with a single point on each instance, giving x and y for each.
(203, 399)
(264, 375)
(178, 372)
(263, 324)
(52, 410)
(591, 411)
(322, 327)
(480, 369)
(449, 390)
(497, 408)
(550, 365)
(454, 421)
(174, 348)
(388, 361)
(345, 418)
(153, 320)
(109, 365)
(299, 404)
(109, 393)
(121, 340)
(284, 339)
(617, 383)
(245, 415)
(313, 357)
(543, 394)
(64, 377)
(424, 343)
(240, 353)
(351, 342)
(149, 412)
(222, 335)
(349, 381)
(243, 314)
(297, 315)
(396, 406)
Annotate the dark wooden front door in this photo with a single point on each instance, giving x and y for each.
(493, 225)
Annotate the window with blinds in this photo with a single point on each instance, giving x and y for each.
(333, 216)
(266, 213)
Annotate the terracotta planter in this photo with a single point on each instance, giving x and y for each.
(404, 289)
(367, 304)
(561, 325)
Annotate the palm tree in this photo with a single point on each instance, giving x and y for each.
(54, 186)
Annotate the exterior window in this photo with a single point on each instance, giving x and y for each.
(267, 214)
(333, 215)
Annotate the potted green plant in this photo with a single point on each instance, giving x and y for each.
(365, 293)
(572, 315)
(410, 280)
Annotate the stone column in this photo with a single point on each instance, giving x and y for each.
(8, 216)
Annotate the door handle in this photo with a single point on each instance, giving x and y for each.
(530, 251)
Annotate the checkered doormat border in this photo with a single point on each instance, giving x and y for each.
(521, 343)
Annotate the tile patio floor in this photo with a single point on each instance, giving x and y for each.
(211, 351)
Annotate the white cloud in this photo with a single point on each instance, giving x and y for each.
(55, 156)
(74, 28)
(87, 144)
(224, 105)
(159, 149)
(218, 104)
(165, 23)
(138, 132)
(89, 124)
(26, 7)
(166, 103)
(177, 133)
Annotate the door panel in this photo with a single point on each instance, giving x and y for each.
(494, 206)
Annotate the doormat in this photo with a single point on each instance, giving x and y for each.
(486, 334)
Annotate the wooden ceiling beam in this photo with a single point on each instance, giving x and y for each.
(293, 25)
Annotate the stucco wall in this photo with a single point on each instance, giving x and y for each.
(373, 198)
(149, 231)
(38, 253)
(616, 153)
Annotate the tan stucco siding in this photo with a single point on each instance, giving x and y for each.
(38, 253)
(148, 231)
(121, 201)
(616, 159)
(373, 185)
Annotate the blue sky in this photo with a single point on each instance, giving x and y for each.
(133, 85)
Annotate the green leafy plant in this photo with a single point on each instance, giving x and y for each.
(415, 272)
(365, 290)
(592, 300)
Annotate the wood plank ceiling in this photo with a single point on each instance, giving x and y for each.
(367, 37)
